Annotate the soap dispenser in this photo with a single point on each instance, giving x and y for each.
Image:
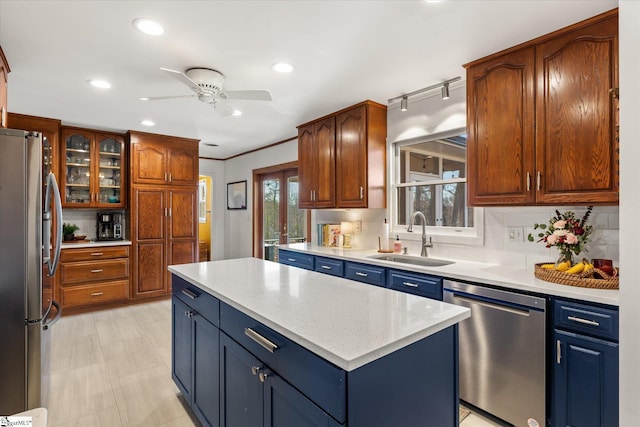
(397, 245)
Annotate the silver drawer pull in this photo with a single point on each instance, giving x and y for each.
(264, 342)
(97, 271)
(97, 254)
(585, 321)
(411, 285)
(189, 293)
(291, 259)
(97, 294)
(326, 267)
(361, 274)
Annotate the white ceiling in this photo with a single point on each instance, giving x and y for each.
(343, 51)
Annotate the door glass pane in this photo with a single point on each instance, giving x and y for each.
(296, 218)
(271, 216)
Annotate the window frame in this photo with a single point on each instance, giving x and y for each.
(455, 235)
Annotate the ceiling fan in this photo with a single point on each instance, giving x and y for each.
(207, 84)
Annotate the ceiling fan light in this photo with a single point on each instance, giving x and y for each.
(148, 26)
(282, 67)
(100, 84)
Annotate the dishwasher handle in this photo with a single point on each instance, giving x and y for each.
(490, 304)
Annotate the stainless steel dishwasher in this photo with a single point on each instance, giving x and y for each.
(502, 352)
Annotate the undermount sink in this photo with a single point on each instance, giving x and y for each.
(408, 259)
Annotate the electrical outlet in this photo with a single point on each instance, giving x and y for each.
(357, 226)
(515, 234)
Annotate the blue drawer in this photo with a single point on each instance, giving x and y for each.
(417, 284)
(330, 266)
(365, 273)
(587, 319)
(206, 305)
(321, 381)
(295, 259)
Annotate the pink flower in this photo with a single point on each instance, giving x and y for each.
(559, 224)
(551, 239)
(560, 233)
(571, 239)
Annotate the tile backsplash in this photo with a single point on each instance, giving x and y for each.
(497, 247)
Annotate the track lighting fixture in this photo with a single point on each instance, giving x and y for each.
(445, 91)
(404, 99)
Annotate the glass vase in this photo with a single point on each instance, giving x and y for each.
(565, 256)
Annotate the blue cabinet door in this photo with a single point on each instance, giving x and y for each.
(206, 373)
(585, 383)
(285, 407)
(181, 341)
(241, 392)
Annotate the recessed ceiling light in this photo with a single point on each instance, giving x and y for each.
(147, 123)
(143, 99)
(148, 26)
(102, 84)
(282, 67)
(236, 113)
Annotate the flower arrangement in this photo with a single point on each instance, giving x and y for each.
(565, 232)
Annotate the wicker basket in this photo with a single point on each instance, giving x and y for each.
(586, 279)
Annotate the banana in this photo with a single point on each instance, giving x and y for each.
(576, 268)
(548, 266)
(588, 266)
(563, 266)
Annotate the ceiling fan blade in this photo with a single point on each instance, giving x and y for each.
(158, 98)
(252, 95)
(184, 79)
(222, 108)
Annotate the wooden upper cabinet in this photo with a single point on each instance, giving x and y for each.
(4, 83)
(342, 158)
(163, 160)
(542, 119)
(316, 164)
(500, 129)
(577, 149)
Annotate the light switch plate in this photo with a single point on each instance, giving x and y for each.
(515, 234)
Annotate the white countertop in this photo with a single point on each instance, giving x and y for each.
(345, 322)
(95, 243)
(515, 278)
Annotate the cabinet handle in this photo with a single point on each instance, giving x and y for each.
(585, 321)
(263, 376)
(538, 177)
(361, 274)
(311, 195)
(291, 259)
(255, 370)
(97, 294)
(190, 293)
(264, 342)
(558, 351)
(326, 267)
(97, 271)
(165, 177)
(361, 192)
(411, 285)
(170, 177)
(189, 313)
(528, 182)
(97, 254)
(169, 211)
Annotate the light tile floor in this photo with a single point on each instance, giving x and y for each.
(113, 368)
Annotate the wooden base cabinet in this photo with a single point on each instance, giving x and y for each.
(542, 119)
(586, 366)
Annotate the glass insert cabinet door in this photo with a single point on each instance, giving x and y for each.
(92, 175)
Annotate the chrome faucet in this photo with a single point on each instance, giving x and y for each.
(425, 245)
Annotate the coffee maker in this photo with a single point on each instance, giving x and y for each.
(110, 225)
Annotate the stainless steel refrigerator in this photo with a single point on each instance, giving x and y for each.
(28, 260)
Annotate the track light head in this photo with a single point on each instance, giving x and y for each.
(445, 91)
(404, 103)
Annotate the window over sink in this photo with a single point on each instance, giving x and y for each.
(429, 175)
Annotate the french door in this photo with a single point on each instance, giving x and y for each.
(280, 219)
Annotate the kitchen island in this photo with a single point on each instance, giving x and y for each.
(260, 343)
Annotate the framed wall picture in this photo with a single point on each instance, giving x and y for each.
(237, 195)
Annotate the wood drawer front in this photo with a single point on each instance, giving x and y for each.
(94, 254)
(321, 381)
(90, 271)
(98, 293)
(586, 319)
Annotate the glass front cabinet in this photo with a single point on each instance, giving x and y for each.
(93, 174)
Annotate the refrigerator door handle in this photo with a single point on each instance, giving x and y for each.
(47, 324)
(54, 192)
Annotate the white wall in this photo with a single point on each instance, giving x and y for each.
(215, 169)
(629, 208)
